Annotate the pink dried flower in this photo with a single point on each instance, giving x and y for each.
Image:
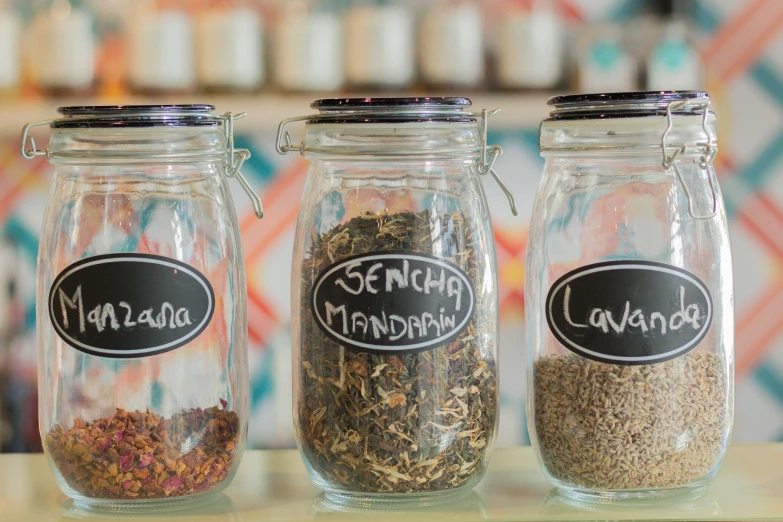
(126, 485)
(172, 483)
(126, 461)
(66, 469)
(223, 402)
(145, 460)
(103, 444)
(118, 437)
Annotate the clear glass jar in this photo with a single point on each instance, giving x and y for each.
(394, 299)
(61, 50)
(141, 305)
(630, 324)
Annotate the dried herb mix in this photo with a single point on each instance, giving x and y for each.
(139, 455)
(400, 422)
(621, 427)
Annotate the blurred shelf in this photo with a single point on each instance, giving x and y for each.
(274, 486)
(266, 110)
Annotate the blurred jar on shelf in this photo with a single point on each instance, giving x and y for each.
(62, 49)
(308, 50)
(379, 46)
(530, 47)
(9, 49)
(160, 48)
(674, 62)
(603, 62)
(451, 45)
(230, 47)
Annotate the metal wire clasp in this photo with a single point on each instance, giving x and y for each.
(490, 153)
(32, 152)
(235, 158)
(283, 143)
(705, 161)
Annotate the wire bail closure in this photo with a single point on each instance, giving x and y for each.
(235, 157)
(705, 161)
(33, 152)
(489, 153)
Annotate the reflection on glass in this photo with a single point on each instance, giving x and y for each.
(216, 507)
(462, 505)
(691, 505)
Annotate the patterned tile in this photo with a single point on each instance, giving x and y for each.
(743, 43)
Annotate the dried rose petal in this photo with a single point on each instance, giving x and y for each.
(145, 460)
(66, 469)
(172, 483)
(135, 456)
(223, 402)
(126, 461)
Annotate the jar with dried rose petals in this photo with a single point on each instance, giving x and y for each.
(141, 305)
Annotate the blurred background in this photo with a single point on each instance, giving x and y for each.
(270, 58)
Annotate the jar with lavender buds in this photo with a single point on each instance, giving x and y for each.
(141, 304)
(630, 325)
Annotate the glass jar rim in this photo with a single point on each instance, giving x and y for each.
(134, 116)
(603, 106)
(422, 109)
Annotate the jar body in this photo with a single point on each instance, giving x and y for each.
(149, 426)
(629, 325)
(395, 391)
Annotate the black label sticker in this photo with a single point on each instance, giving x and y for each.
(629, 312)
(392, 302)
(130, 305)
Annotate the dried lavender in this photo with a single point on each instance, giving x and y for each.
(609, 426)
(139, 455)
(402, 422)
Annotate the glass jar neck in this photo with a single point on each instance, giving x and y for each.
(629, 135)
(450, 141)
(149, 145)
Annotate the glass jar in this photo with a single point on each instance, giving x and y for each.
(308, 48)
(451, 45)
(62, 49)
(394, 298)
(161, 48)
(141, 305)
(630, 319)
(379, 46)
(230, 47)
(10, 50)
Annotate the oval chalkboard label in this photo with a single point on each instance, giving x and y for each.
(392, 302)
(130, 305)
(629, 312)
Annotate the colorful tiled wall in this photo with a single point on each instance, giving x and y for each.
(743, 45)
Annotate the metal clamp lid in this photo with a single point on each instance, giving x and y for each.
(490, 153)
(705, 161)
(156, 115)
(484, 164)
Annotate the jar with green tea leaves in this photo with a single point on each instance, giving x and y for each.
(394, 298)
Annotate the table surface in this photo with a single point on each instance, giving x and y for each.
(274, 486)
